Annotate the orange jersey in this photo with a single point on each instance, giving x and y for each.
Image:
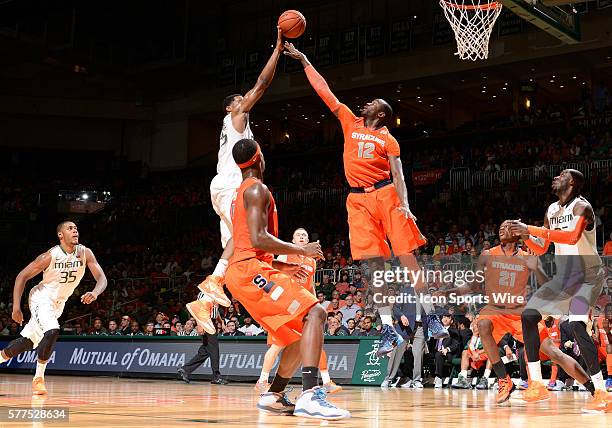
(307, 263)
(366, 151)
(601, 332)
(243, 248)
(506, 274)
(554, 333)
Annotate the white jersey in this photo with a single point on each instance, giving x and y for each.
(563, 218)
(228, 172)
(62, 276)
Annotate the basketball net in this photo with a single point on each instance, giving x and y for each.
(472, 21)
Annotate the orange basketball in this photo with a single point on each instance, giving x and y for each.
(292, 24)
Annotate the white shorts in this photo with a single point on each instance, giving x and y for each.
(45, 313)
(222, 195)
(572, 294)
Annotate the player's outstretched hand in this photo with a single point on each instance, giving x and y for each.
(299, 273)
(88, 297)
(279, 38)
(17, 316)
(517, 228)
(406, 212)
(313, 249)
(292, 52)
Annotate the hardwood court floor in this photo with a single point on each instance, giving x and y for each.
(121, 402)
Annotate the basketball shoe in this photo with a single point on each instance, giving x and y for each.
(275, 402)
(313, 403)
(536, 391)
(213, 287)
(388, 341)
(601, 403)
(505, 389)
(38, 386)
(200, 309)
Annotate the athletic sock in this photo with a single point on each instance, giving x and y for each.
(279, 384)
(310, 377)
(598, 380)
(221, 267)
(463, 373)
(535, 371)
(264, 376)
(487, 373)
(590, 386)
(325, 378)
(40, 369)
(385, 315)
(500, 369)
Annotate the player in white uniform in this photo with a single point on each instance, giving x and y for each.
(223, 187)
(578, 283)
(63, 267)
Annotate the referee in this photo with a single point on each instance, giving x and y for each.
(208, 349)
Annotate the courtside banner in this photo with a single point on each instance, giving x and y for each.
(159, 356)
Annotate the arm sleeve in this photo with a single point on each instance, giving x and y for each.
(322, 89)
(538, 245)
(560, 236)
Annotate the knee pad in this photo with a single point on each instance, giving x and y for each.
(45, 347)
(18, 346)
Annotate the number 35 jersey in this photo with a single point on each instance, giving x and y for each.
(366, 151)
(62, 276)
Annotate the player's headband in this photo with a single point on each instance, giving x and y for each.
(251, 161)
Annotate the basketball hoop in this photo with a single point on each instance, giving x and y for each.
(472, 21)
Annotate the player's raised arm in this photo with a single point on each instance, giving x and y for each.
(256, 200)
(99, 276)
(318, 83)
(263, 82)
(30, 271)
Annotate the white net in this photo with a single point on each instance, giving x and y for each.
(472, 21)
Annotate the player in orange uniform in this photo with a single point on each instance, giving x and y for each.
(271, 291)
(377, 205)
(300, 237)
(604, 333)
(507, 269)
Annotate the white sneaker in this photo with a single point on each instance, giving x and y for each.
(438, 383)
(417, 384)
(275, 402)
(384, 384)
(407, 385)
(313, 403)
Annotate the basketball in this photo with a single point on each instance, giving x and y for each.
(292, 23)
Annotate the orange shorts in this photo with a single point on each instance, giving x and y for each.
(274, 299)
(372, 218)
(477, 364)
(508, 323)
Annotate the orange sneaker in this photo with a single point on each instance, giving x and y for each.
(38, 386)
(505, 389)
(213, 287)
(536, 391)
(601, 403)
(331, 387)
(200, 310)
